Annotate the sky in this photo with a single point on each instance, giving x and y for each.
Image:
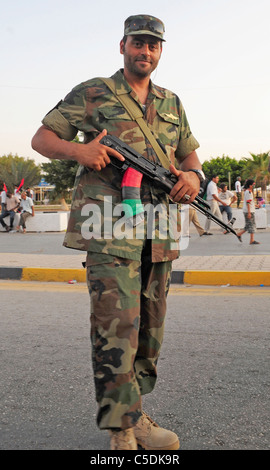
(216, 59)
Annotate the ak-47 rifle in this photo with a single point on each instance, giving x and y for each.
(136, 166)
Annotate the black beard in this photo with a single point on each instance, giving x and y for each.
(131, 66)
(139, 72)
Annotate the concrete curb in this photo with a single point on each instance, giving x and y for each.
(43, 274)
(215, 278)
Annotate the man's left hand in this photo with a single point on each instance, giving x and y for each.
(188, 184)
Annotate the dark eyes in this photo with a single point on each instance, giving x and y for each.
(140, 44)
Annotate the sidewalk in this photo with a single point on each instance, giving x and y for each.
(249, 270)
(215, 260)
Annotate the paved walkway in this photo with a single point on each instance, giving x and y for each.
(216, 260)
(184, 263)
(201, 270)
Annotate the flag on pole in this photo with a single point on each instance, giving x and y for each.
(21, 184)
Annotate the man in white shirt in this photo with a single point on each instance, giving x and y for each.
(238, 190)
(3, 200)
(227, 198)
(212, 197)
(27, 206)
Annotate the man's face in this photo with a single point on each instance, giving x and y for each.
(141, 54)
(23, 196)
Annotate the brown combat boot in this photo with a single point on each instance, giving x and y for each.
(151, 437)
(123, 440)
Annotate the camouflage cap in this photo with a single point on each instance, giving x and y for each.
(144, 24)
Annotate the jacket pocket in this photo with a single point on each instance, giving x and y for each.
(116, 113)
(169, 118)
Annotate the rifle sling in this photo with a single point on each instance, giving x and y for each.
(136, 115)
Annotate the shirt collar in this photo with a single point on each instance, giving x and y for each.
(122, 86)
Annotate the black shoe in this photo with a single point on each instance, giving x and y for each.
(7, 228)
(206, 233)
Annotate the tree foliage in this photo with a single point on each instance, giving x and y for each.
(14, 168)
(256, 168)
(225, 167)
(60, 173)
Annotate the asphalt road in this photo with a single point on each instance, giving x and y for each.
(213, 385)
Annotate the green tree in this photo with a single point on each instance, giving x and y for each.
(225, 167)
(256, 168)
(60, 173)
(14, 168)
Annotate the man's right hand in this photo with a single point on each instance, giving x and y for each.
(95, 155)
(92, 155)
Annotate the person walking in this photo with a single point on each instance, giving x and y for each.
(249, 212)
(238, 190)
(212, 196)
(193, 218)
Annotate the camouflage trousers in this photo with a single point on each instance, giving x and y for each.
(128, 307)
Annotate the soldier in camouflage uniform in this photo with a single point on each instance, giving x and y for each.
(128, 277)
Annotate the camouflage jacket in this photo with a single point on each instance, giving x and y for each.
(96, 221)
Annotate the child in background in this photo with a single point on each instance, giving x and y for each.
(249, 212)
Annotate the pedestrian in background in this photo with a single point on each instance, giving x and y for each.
(29, 192)
(3, 200)
(193, 218)
(212, 196)
(227, 198)
(238, 190)
(249, 212)
(27, 210)
(13, 203)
